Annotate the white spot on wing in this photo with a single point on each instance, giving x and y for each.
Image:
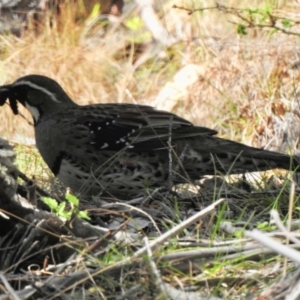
(105, 145)
(121, 140)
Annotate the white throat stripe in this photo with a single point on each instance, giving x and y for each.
(34, 111)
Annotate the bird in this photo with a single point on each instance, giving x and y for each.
(124, 150)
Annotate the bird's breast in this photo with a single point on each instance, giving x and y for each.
(50, 141)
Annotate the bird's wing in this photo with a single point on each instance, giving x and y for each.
(113, 126)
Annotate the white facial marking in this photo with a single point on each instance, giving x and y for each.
(37, 87)
(34, 111)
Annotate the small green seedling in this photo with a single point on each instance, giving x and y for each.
(60, 208)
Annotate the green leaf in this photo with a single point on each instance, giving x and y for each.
(252, 11)
(134, 23)
(65, 214)
(61, 208)
(286, 23)
(95, 12)
(241, 29)
(268, 9)
(83, 214)
(72, 199)
(52, 203)
(265, 226)
(239, 233)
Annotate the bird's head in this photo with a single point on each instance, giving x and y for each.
(41, 95)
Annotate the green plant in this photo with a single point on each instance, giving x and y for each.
(60, 208)
(265, 226)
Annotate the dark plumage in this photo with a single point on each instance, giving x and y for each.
(121, 149)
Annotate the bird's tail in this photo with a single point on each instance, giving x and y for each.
(214, 156)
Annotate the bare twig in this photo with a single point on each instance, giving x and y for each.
(284, 250)
(181, 226)
(246, 15)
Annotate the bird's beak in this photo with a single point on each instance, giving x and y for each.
(4, 93)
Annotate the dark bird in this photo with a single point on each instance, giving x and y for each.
(122, 149)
